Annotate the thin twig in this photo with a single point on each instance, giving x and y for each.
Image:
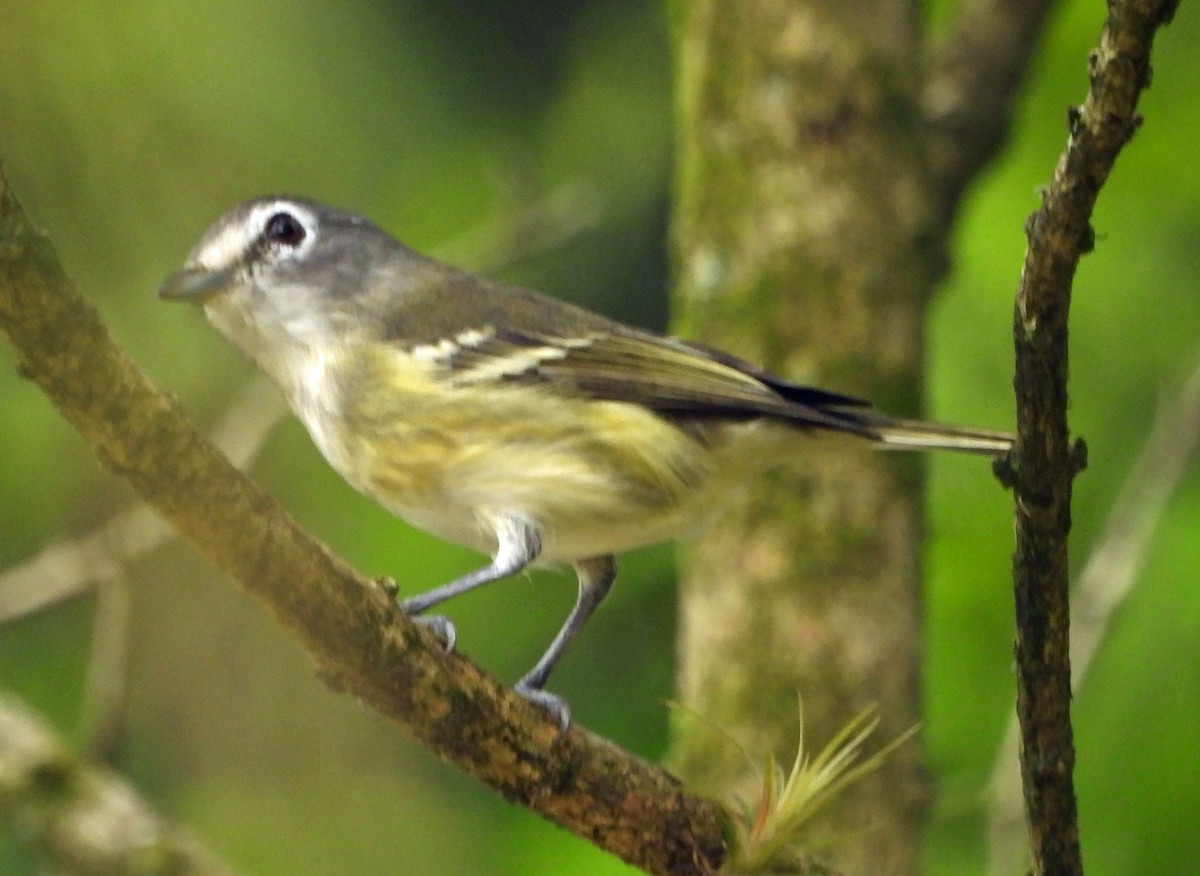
(108, 662)
(1104, 584)
(1044, 461)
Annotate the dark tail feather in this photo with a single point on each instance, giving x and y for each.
(844, 413)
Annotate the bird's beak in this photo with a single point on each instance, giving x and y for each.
(195, 284)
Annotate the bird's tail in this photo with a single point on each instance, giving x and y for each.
(895, 433)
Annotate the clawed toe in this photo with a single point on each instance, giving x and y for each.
(440, 626)
(552, 703)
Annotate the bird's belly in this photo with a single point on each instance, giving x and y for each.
(592, 478)
(564, 541)
(579, 510)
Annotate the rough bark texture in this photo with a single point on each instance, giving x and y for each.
(1045, 460)
(803, 240)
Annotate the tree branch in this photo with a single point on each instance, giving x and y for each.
(86, 818)
(967, 99)
(1045, 461)
(1102, 587)
(360, 641)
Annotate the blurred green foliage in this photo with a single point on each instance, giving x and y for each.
(129, 127)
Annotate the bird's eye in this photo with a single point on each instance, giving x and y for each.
(285, 229)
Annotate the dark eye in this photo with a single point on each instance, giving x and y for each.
(285, 229)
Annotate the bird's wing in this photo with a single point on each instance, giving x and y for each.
(659, 373)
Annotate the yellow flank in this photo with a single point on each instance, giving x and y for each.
(594, 477)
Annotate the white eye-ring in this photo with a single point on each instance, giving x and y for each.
(284, 230)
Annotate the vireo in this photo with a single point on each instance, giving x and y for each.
(489, 415)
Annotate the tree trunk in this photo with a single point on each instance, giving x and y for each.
(804, 238)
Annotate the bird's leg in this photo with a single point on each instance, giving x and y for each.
(595, 578)
(518, 545)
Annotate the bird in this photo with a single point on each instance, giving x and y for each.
(518, 425)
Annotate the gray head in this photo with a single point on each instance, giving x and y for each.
(281, 276)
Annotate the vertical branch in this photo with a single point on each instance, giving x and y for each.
(1107, 580)
(1045, 461)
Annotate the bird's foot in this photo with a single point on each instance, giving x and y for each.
(552, 703)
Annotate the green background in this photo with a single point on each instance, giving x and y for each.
(127, 128)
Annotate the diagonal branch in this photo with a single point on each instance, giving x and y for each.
(360, 642)
(1045, 462)
(968, 98)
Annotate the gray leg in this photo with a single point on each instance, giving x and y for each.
(519, 545)
(595, 578)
